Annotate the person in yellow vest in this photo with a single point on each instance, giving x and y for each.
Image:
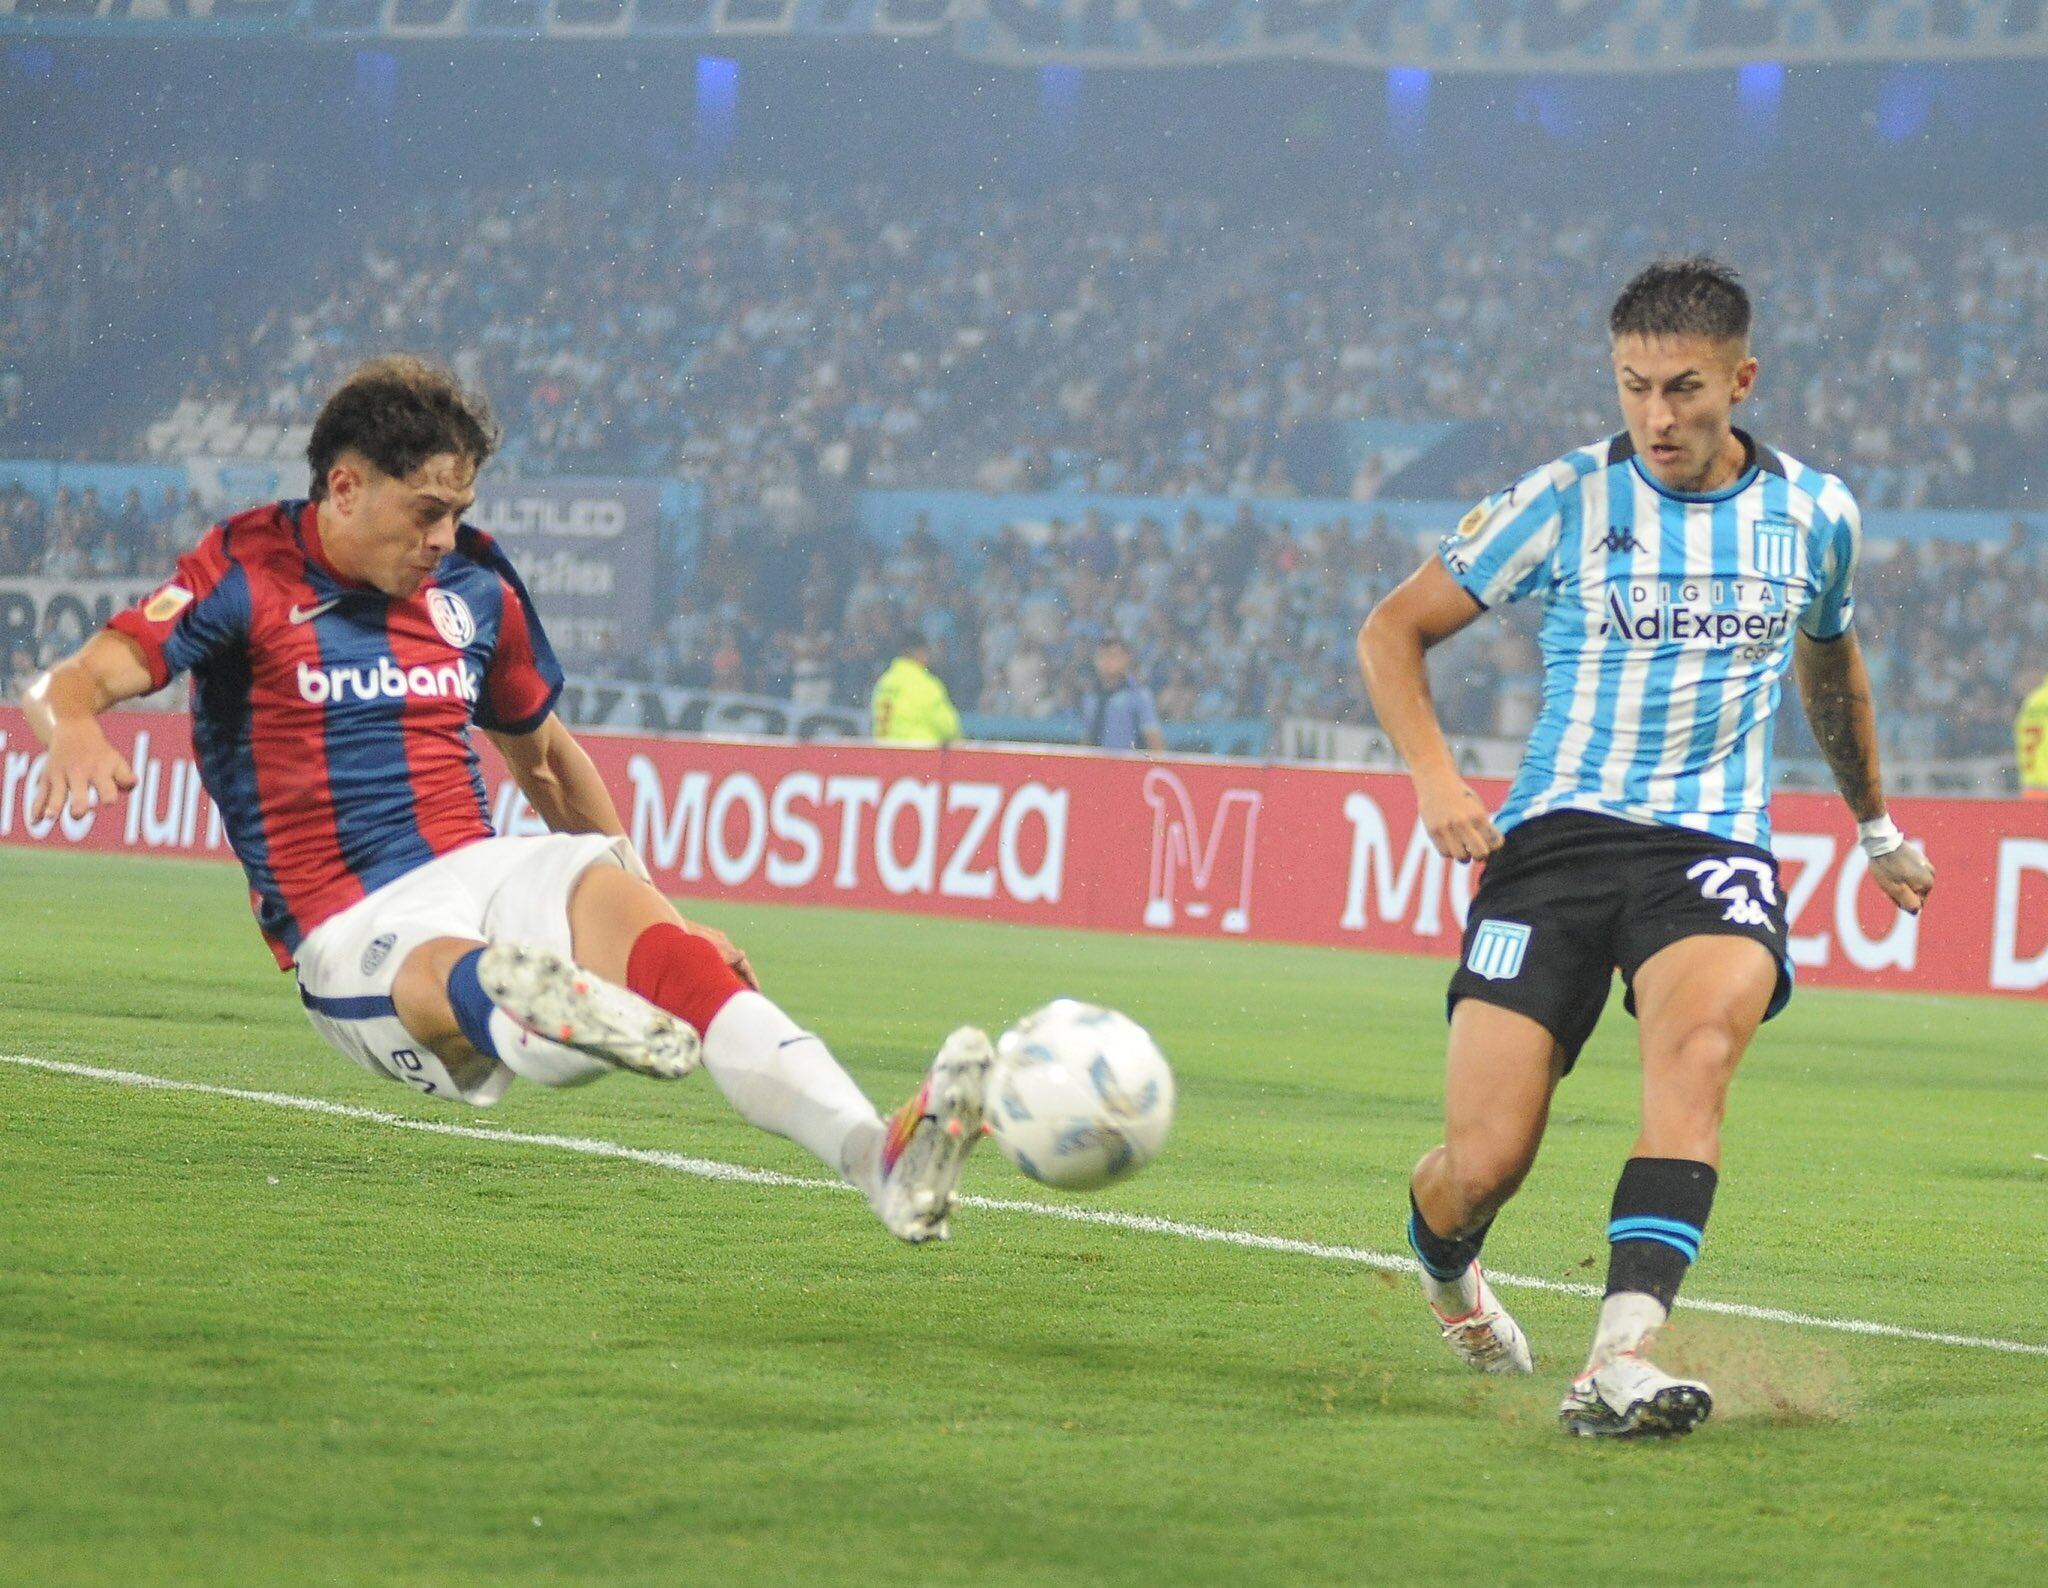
(911, 705)
(2030, 738)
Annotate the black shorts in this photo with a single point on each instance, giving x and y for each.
(1573, 897)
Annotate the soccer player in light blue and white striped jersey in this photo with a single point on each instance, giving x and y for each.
(1684, 569)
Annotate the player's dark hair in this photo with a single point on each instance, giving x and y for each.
(1697, 296)
(399, 411)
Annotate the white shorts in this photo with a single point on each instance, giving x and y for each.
(515, 889)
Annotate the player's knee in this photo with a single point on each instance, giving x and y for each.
(614, 889)
(1482, 1178)
(419, 992)
(609, 910)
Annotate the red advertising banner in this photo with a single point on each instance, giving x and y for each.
(1127, 844)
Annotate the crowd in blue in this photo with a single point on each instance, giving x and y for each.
(783, 349)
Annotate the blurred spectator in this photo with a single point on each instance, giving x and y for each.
(1118, 713)
(21, 672)
(21, 529)
(910, 702)
(2030, 735)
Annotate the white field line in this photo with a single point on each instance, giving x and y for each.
(1141, 1223)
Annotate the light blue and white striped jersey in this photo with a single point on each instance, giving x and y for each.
(1667, 627)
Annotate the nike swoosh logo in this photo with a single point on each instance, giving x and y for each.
(307, 614)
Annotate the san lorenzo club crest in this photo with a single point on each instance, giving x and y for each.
(451, 617)
(378, 951)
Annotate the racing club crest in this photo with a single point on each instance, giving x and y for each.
(1777, 549)
(451, 615)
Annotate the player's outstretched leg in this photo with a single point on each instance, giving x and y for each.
(561, 1002)
(782, 1078)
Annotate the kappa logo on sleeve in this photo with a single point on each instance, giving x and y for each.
(167, 603)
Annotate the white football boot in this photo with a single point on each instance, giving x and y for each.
(1487, 1337)
(560, 1000)
(1628, 1397)
(928, 1139)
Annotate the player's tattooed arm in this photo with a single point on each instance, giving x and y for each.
(1836, 690)
(1834, 686)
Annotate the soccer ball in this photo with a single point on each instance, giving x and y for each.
(1082, 1095)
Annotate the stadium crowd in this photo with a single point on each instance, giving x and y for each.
(1250, 617)
(772, 344)
(738, 336)
(763, 341)
(79, 246)
(1911, 363)
(1241, 617)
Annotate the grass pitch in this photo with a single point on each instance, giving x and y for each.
(248, 1345)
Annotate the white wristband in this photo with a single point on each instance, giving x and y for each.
(1879, 837)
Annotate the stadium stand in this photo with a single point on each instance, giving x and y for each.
(760, 342)
(80, 246)
(781, 347)
(1255, 617)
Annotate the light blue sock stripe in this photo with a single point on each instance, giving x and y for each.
(1679, 1236)
(1677, 1231)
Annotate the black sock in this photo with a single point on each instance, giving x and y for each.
(1442, 1259)
(1659, 1220)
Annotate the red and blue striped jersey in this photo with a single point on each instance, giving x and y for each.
(331, 721)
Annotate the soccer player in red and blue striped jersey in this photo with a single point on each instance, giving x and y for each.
(340, 649)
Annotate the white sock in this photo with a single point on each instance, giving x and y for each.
(781, 1078)
(535, 1058)
(1627, 1319)
(1453, 1298)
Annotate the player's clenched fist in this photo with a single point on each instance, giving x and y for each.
(1456, 820)
(81, 765)
(1905, 876)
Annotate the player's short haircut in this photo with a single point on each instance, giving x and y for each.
(399, 411)
(1696, 296)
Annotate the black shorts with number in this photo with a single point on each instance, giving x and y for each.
(1573, 897)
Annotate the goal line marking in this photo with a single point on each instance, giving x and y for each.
(1105, 1218)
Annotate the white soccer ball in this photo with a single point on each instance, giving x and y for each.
(1082, 1095)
